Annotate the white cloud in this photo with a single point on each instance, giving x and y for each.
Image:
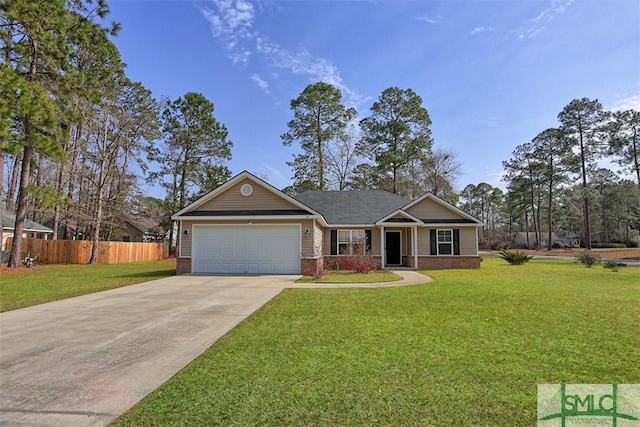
(628, 103)
(478, 30)
(262, 84)
(274, 176)
(496, 178)
(532, 27)
(491, 121)
(429, 19)
(232, 25)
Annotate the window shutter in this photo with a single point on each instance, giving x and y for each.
(334, 242)
(367, 234)
(434, 242)
(456, 241)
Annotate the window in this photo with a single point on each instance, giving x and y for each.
(351, 242)
(445, 242)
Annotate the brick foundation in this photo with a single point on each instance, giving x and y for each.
(447, 262)
(183, 265)
(311, 266)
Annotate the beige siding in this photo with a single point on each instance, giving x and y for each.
(375, 242)
(231, 199)
(428, 209)
(467, 240)
(186, 239)
(307, 241)
(319, 240)
(423, 241)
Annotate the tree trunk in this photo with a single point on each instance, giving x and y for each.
(21, 211)
(2, 156)
(585, 196)
(97, 219)
(636, 155)
(550, 216)
(13, 183)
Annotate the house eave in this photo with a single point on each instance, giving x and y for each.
(245, 217)
(28, 230)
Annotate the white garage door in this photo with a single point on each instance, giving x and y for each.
(272, 249)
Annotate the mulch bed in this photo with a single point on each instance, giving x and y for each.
(18, 270)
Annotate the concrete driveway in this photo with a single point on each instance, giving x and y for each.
(83, 361)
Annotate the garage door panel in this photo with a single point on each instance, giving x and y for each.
(246, 249)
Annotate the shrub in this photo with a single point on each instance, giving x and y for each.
(613, 266)
(588, 258)
(361, 263)
(632, 243)
(318, 271)
(608, 245)
(500, 246)
(515, 258)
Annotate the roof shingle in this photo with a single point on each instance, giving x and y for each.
(352, 207)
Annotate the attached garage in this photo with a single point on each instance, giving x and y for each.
(246, 249)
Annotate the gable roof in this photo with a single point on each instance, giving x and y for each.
(352, 207)
(187, 211)
(466, 217)
(9, 223)
(399, 216)
(143, 224)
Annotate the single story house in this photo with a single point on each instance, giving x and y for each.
(142, 230)
(30, 229)
(248, 226)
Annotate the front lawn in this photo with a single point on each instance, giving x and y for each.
(466, 349)
(352, 277)
(44, 283)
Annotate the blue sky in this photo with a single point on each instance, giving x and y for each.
(492, 74)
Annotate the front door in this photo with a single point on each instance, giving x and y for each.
(392, 247)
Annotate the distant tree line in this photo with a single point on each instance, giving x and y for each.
(557, 182)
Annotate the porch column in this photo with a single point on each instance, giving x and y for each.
(382, 247)
(415, 247)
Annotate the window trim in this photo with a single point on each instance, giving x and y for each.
(438, 242)
(350, 243)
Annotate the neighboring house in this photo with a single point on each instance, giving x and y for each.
(557, 239)
(64, 228)
(249, 226)
(30, 229)
(142, 230)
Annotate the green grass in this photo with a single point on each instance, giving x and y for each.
(54, 282)
(466, 349)
(352, 277)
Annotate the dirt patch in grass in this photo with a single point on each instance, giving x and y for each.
(625, 253)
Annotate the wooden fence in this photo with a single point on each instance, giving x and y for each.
(79, 251)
